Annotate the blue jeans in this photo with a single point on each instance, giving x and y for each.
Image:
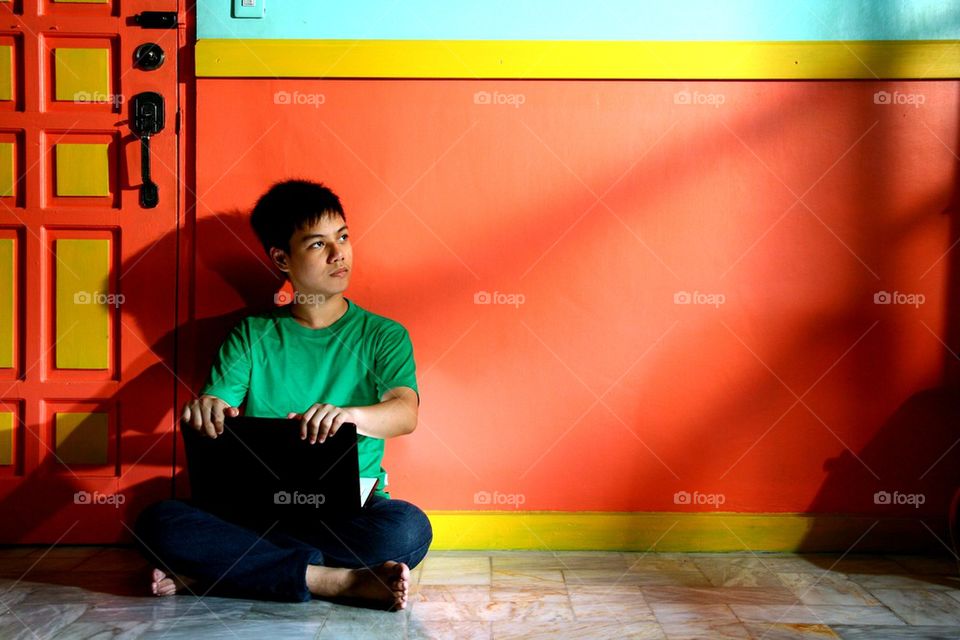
(272, 563)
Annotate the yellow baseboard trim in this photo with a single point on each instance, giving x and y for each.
(802, 60)
(682, 532)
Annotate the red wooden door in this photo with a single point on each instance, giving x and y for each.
(87, 274)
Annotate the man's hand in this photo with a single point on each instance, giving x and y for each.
(205, 414)
(322, 420)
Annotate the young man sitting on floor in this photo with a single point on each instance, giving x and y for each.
(325, 361)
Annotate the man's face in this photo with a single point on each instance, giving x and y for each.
(317, 253)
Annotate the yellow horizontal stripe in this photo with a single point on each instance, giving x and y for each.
(577, 59)
(673, 532)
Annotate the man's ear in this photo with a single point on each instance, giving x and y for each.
(279, 257)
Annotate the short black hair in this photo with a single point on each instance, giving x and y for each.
(288, 206)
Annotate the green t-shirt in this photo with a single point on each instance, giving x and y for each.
(278, 365)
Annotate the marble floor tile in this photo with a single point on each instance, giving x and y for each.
(545, 578)
(666, 562)
(853, 564)
(312, 610)
(594, 561)
(465, 611)
(38, 621)
(12, 594)
(508, 595)
(451, 631)
(698, 621)
(235, 629)
(921, 607)
(792, 563)
(612, 561)
(737, 572)
(450, 593)
(527, 604)
(786, 631)
(908, 581)
(811, 588)
(129, 630)
(618, 576)
(665, 579)
(856, 632)
(456, 570)
(509, 630)
(610, 608)
(819, 614)
(719, 595)
(530, 594)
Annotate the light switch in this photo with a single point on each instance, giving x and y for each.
(248, 8)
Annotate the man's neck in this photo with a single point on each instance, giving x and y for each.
(319, 316)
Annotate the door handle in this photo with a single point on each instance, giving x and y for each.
(146, 120)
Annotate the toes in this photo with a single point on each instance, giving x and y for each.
(164, 587)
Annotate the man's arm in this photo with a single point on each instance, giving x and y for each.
(395, 415)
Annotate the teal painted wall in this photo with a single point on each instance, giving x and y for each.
(581, 20)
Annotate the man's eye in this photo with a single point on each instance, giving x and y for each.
(344, 236)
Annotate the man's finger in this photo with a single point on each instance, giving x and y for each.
(335, 425)
(196, 417)
(314, 428)
(208, 427)
(317, 423)
(325, 427)
(305, 420)
(216, 417)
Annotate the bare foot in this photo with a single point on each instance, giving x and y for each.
(387, 583)
(163, 585)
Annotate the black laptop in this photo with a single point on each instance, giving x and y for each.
(259, 471)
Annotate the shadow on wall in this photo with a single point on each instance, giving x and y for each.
(913, 460)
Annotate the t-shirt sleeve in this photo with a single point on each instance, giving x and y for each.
(230, 375)
(394, 365)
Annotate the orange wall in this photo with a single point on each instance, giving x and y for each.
(599, 392)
